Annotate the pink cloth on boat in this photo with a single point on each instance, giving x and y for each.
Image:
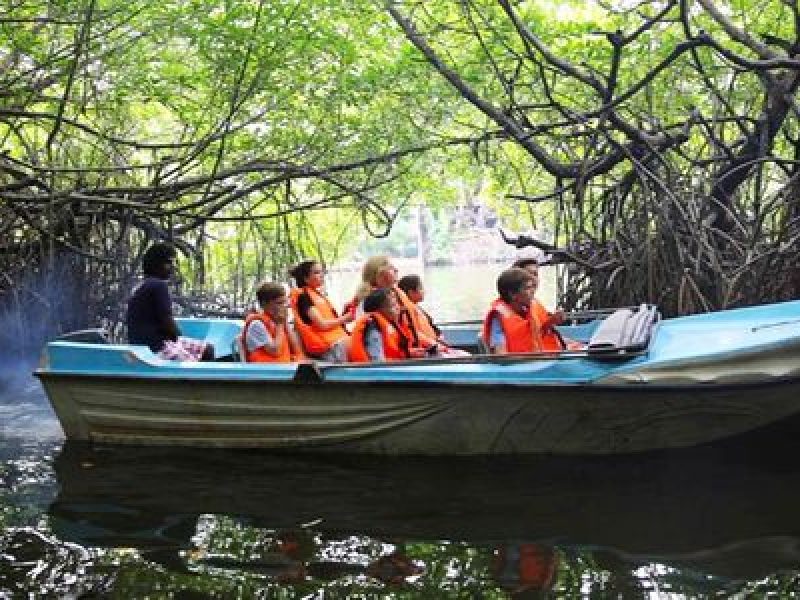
(184, 349)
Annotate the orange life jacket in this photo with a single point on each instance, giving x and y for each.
(420, 325)
(395, 339)
(422, 334)
(551, 341)
(316, 341)
(261, 355)
(528, 566)
(521, 332)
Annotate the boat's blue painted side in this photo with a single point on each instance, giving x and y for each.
(694, 338)
(103, 360)
(539, 371)
(726, 332)
(109, 360)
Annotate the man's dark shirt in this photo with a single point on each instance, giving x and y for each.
(148, 308)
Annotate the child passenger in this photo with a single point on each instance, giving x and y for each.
(509, 325)
(267, 338)
(376, 334)
(552, 340)
(320, 328)
(420, 322)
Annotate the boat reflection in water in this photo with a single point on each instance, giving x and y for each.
(705, 521)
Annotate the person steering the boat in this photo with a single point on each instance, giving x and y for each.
(510, 324)
(377, 336)
(149, 317)
(267, 337)
(321, 330)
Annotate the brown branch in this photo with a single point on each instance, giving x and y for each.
(78, 52)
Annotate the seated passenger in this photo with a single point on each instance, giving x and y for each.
(149, 316)
(552, 340)
(266, 335)
(376, 335)
(320, 328)
(420, 322)
(379, 272)
(509, 325)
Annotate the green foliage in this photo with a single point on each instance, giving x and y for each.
(258, 133)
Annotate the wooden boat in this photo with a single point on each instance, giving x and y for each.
(642, 383)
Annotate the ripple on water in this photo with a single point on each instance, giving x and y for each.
(25, 412)
(34, 563)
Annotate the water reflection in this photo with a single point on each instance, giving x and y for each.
(131, 522)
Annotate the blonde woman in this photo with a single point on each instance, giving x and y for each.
(379, 272)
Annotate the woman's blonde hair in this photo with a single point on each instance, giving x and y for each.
(369, 274)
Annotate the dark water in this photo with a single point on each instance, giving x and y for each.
(81, 522)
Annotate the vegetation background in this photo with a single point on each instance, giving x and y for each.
(653, 145)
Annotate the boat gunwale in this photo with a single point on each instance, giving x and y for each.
(429, 371)
(633, 387)
(313, 372)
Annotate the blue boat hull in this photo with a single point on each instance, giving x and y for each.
(701, 379)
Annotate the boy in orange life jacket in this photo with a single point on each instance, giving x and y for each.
(266, 336)
(420, 322)
(376, 334)
(412, 287)
(509, 325)
(552, 341)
